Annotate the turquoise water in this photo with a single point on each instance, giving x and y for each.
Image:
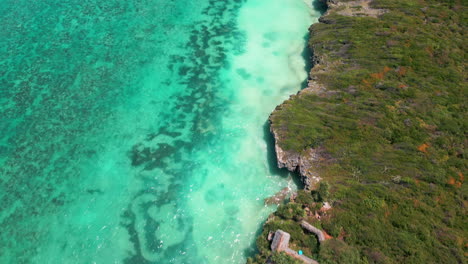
(135, 131)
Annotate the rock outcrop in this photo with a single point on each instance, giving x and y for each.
(303, 163)
(307, 161)
(359, 8)
(279, 197)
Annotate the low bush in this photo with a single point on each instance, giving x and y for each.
(335, 251)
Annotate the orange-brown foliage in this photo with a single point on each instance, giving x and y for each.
(451, 181)
(342, 234)
(327, 236)
(457, 183)
(429, 51)
(443, 14)
(378, 75)
(460, 241)
(387, 214)
(423, 147)
(366, 83)
(381, 75)
(462, 178)
(402, 70)
(408, 43)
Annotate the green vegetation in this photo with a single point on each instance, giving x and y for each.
(335, 251)
(281, 258)
(392, 126)
(290, 211)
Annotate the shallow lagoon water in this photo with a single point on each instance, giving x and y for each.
(135, 131)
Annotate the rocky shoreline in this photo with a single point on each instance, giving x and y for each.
(377, 130)
(304, 162)
(307, 161)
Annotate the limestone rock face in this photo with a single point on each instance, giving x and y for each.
(307, 160)
(285, 159)
(304, 163)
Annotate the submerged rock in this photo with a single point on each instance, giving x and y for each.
(278, 197)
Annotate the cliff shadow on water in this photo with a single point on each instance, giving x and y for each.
(307, 55)
(321, 7)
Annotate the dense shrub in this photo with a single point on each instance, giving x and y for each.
(281, 258)
(323, 191)
(304, 197)
(290, 211)
(335, 251)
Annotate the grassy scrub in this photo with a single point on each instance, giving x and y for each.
(392, 126)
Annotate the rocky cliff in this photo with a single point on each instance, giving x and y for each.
(303, 162)
(306, 161)
(382, 122)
